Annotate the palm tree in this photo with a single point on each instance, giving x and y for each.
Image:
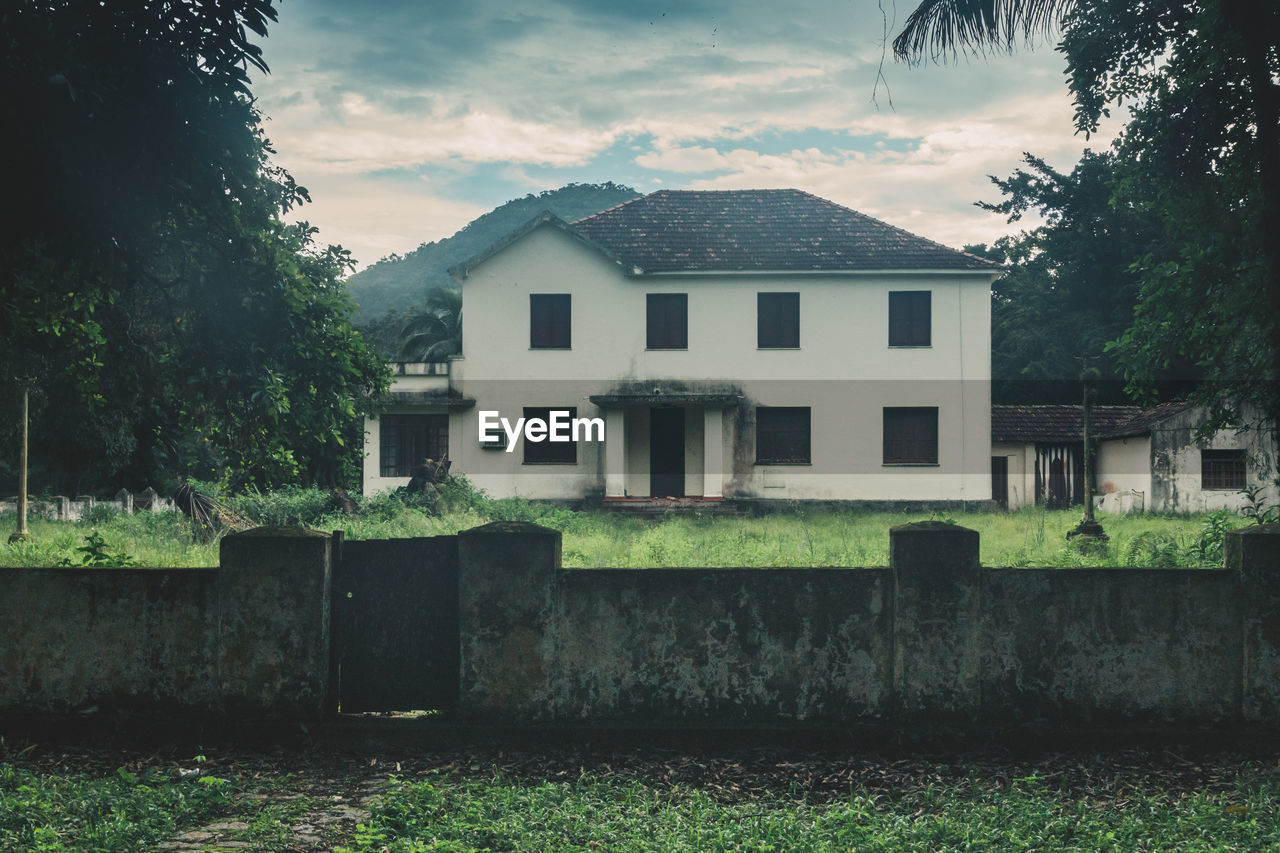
(938, 28)
(434, 331)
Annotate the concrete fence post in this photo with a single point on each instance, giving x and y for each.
(124, 497)
(1254, 553)
(273, 622)
(506, 600)
(937, 621)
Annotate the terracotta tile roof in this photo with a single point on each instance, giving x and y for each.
(764, 230)
(1063, 423)
(1141, 423)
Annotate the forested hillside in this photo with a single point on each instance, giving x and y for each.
(398, 283)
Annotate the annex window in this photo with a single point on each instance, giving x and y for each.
(782, 435)
(911, 435)
(548, 452)
(910, 321)
(549, 316)
(778, 320)
(667, 321)
(407, 440)
(1222, 469)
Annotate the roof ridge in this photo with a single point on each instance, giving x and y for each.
(899, 228)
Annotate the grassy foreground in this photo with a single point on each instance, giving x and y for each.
(439, 814)
(801, 537)
(651, 800)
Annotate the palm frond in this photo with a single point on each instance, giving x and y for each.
(939, 29)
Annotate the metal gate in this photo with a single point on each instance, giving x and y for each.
(394, 619)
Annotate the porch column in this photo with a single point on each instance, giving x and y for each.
(712, 452)
(615, 451)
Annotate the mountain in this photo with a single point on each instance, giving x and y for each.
(399, 283)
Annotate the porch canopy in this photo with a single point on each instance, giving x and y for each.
(678, 458)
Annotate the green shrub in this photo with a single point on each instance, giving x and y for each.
(101, 513)
(291, 506)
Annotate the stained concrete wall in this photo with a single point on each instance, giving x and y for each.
(250, 637)
(934, 638)
(1175, 462)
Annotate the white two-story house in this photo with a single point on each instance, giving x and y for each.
(756, 344)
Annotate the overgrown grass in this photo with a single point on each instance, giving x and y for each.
(801, 537)
(441, 813)
(123, 811)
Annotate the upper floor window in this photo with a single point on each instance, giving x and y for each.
(911, 435)
(667, 321)
(778, 320)
(782, 435)
(1222, 469)
(407, 440)
(549, 316)
(546, 451)
(910, 324)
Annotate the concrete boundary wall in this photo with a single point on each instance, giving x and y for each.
(61, 508)
(250, 637)
(934, 638)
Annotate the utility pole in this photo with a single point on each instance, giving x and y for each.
(1088, 526)
(21, 534)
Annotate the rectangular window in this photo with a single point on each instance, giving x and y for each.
(548, 452)
(1222, 469)
(911, 435)
(910, 323)
(667, 320)
(407, 440)
(782, 435)
(549, 315)
(778, 320)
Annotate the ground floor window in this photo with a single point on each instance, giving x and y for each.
(548, 452)
(782, 435)
(911, 435)
(406, 440)
(1222, 469)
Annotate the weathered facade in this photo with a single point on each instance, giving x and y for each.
(1147, 459)
(756, 345)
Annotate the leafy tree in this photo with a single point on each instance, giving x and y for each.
(434, 331)
(1070, 289)
(172, 322)
(1200, 157)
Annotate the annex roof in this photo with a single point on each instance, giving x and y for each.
(734, 231)
(1056, 423)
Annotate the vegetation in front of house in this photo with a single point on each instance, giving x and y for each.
(125, 810)
(801, 536)
(1030, 813)
(641, 800)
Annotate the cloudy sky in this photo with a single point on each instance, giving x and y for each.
(408, 118)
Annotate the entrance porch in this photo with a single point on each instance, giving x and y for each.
(665, 445)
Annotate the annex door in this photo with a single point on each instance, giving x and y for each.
(394, 617)
(666, 452)
(1000, 481)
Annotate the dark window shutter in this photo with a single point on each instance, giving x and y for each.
(547, 452)
(910, 318)
(783, 435)
(911, 435)
(778, 320)
(667, 321)
(550, 320)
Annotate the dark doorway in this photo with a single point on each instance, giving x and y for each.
(1000, 481)
(666, 452)
(394, 620)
